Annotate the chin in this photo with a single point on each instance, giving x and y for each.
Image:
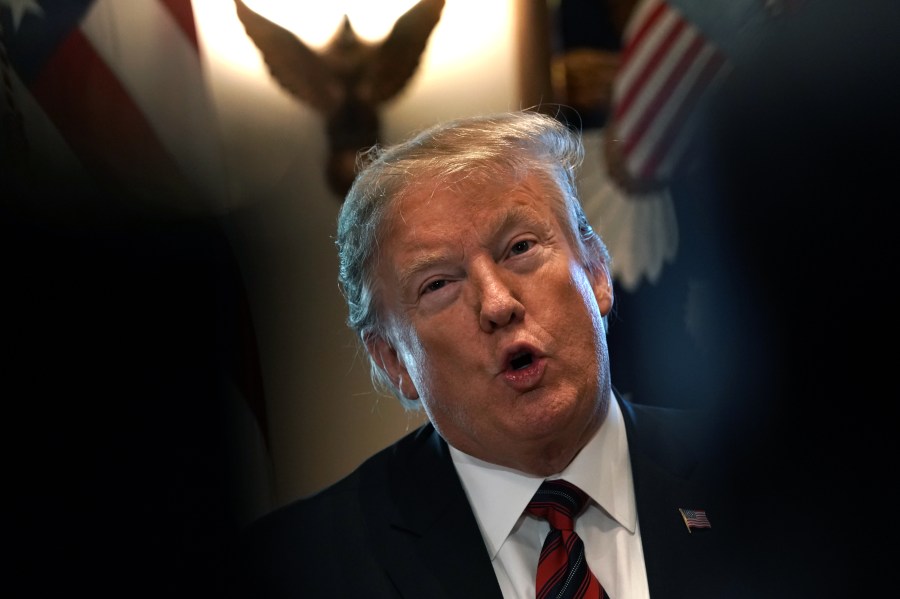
(555, 417)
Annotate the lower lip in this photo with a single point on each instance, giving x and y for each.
(526, 378)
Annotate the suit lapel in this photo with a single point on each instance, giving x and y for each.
(668, 475)
(424, 529)
(425, 535)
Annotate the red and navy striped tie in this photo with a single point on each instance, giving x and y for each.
(562, 572)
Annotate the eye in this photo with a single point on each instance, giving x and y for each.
(434, 286)
(520, 247)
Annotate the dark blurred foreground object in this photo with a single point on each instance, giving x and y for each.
(122, 336)
(805, 143)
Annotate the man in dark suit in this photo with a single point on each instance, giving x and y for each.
(480, 293)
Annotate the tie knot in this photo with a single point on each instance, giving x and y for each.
(558, 502)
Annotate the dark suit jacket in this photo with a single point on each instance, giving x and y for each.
(401, 526)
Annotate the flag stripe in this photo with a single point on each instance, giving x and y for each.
(122, 83)
(688, 47)
(669, 144)
(645, 17)
(668, 65)
(160, 68)
(645, 60)
(96, 116)
(183, 14)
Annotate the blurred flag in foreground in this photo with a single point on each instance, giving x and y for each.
(111, 90)
(106, 100)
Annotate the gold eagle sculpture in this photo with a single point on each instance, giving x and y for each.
(348, 80)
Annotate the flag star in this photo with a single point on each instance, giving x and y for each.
(20, 8)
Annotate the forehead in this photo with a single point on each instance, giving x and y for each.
(433, 209)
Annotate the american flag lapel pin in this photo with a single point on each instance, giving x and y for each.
(694, 518)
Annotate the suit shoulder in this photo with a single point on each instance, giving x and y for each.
(683, 422)
(323, 531)
(340, 500)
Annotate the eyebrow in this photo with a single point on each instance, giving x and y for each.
(417, 265)
(515, 216)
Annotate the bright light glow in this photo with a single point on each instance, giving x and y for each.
(316, 21)
(468, 33)
(223, 37)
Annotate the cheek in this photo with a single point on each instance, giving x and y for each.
(448, 371)
(428, 359)
(585, 290)
(583, 320)
(409, 348)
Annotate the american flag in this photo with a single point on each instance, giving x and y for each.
(694, 518)
(110, 97)
(668, 66)
(112, 90)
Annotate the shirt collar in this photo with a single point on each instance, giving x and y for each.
(499, 495)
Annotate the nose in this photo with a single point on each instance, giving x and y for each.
(497, 303)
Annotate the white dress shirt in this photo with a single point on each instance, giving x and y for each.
(608, 527)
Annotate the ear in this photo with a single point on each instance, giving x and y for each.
(601, 282)
(385, 355)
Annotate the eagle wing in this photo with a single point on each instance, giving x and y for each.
(294, 65)
(396, 59)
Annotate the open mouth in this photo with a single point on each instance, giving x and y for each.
(525, 368)
(520, 361)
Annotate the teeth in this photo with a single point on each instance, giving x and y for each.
(520, 362)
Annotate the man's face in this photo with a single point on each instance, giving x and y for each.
(494, 324)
